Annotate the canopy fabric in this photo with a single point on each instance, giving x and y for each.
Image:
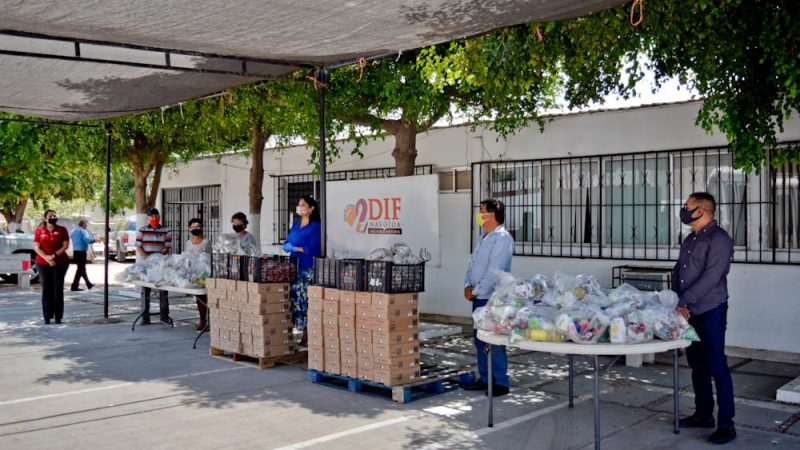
(82, 59)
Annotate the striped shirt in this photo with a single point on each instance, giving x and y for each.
(152, 240)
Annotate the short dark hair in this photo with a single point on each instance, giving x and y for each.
(315, 214)
(497, 207)
(82, 222)
(241, 216)
(707, 200)
(153, 212)
(195, 220)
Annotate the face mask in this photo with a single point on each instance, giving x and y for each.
(154, 223)
(686, 215)
(238, 228)
(479, 219)
(52, 220)
(196, 232)
(301, 211)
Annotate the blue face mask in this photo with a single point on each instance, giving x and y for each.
(686, 215)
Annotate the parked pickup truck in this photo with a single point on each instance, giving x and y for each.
(11, 243)
(122, 240)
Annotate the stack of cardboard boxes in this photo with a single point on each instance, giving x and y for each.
(364, 335)
(252, 319)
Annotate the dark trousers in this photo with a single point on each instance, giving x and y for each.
(52, 279)
(163, 304)
(708, 362)
(80, 271)
(499, 358)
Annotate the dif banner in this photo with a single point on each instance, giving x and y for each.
(364, 215)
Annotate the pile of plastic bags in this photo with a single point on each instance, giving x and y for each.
(233, 244)
(184, 271)
(577, 309)
(399, 254)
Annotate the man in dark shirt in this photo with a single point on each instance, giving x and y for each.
(700, 279)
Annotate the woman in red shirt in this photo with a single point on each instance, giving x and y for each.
(51, 242)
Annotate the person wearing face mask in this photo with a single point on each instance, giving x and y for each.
(50, 243)
(239, 223)
(304, 242)
(154, 239)
(492, 253)
(197, 244)
(700, 278)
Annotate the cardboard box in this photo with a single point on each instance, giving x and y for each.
(316, 293)
(332, 366)
(349, 348)
(330, 306)
(315, 306)
(394, 325)
(404, 337)
(271, 351)
(266, 288)
(272, 308)
(272, 319)
(347, 297)
(314, 320)
(330, 320)
(382, 312)
(346, 322)
(332, 348)
(268, 298)
(363, 338)
(316, 359)
(347, 310)
(211, 283)
(228, 285)
(385, 353)
(363, 312)
(350, 367)
(330, 334)
(365, 367)
(332, 294)
(386, 300)
(315, 341)
(363, 298)
(347, 335)
(272, 340)
(397, 371)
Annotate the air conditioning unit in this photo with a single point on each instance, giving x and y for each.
(647, 278)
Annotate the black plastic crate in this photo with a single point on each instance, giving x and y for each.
(238, 268)
(220, 265)
(271, 269)
(391, 278)
(351, 275)
(326, 272)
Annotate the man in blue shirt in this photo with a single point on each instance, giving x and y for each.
(81, 240)
(493, 253)
(700, 279)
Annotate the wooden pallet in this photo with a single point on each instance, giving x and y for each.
(431, 383)
(263, 363)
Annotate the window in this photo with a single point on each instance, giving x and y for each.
(179, 205)
(455, 180)
(625, 206)
(289, 189)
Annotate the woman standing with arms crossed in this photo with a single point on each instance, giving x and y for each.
(304, 243)
(199, 244)
(50, 243)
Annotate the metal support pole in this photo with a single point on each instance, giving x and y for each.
(491, 385)
(108, 219)
(596, 402)
(571, 376)
(675, 388)
(321, 77)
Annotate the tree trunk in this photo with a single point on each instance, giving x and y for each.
(405, 147)
(15, 216)
(258, 140)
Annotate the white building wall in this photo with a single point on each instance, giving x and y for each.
(764, 300)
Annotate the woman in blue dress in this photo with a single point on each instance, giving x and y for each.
(304, 243)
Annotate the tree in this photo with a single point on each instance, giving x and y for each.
(741, 56)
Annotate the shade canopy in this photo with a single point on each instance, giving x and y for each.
(83, 59)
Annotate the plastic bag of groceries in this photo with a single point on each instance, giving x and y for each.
(380, 254)
(630, 329)
(583, 324)
(580, 285)
(401, 249)
(538, 323)
(668, 325)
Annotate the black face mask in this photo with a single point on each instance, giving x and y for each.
(196, 232)
(52, 220)
(238, 228)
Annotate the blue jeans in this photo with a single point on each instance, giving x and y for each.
(499, 357)
(707, 360)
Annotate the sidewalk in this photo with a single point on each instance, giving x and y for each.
(89, 385)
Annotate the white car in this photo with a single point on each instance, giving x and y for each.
(14, 243)
(122, 241)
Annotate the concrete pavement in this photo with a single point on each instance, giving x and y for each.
(87, 385)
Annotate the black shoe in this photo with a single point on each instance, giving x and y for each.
(76, 289)
(695, 421)
(168, 321)
(477, 385)
(47, 321)
(145, 322)
(89, 286)
(58, 321)
(722, 436)
(499, 391)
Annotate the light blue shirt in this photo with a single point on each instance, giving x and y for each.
(493, 252)
(81, 239)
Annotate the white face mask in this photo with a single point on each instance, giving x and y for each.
(301, 211)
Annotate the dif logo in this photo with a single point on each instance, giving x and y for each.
(375, 215)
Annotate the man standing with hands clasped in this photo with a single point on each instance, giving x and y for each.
(493, 253)
(700, 279)
(150, 240)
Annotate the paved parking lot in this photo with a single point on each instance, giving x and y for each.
(90, 385)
